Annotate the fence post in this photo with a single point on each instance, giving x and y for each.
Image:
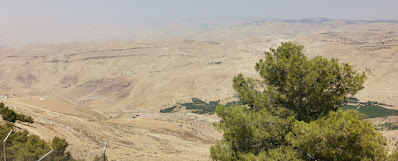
(45, 155)
(103, 152)
(4, 144)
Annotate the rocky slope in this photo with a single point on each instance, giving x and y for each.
(89, 92)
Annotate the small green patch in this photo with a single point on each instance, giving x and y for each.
(168, 110)
(369, 108)
(386, 126)
(354, 100)
(200, 107)
(233, 103)
(372, 111)
(215, 62)
(197, 101)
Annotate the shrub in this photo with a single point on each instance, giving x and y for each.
(10, 115)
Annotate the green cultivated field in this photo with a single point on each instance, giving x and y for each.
(198, 106)
(372, 111)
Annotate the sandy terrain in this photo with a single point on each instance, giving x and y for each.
(89, 92)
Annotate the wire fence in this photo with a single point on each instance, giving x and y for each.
(19, 146)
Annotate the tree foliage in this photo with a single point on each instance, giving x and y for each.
(10, 115)
(393, 156)
(292, 113)
(248, 131)
(309, 87)
(23, 146)
(342, 136)
(59, 146)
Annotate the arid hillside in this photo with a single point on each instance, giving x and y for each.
(89, 92)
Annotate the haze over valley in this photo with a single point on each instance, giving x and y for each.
(88, 87)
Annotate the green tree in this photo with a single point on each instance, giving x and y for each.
(309, 87)
(59, 146)
(24, 146)
(248, 131)
(341, 136)
(296, 93)
(278, 154)
(8, 114)
(27, 147)
(23, 118)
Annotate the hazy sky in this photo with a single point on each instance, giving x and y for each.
(96, 10)
(53, 16)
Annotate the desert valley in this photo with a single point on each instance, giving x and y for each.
(87, 92)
